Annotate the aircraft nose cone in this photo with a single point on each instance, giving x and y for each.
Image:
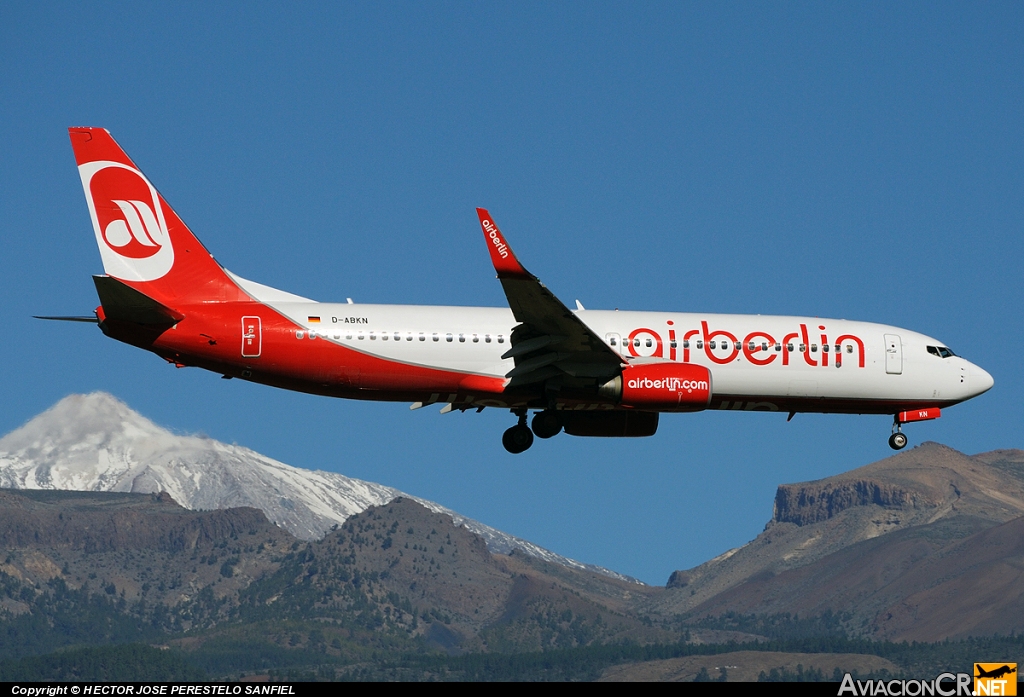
(980, 380)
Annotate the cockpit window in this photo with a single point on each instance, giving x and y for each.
(940, 351)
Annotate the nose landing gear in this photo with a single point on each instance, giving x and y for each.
(519, 438)
(898, 440)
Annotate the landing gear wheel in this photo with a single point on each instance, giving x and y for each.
(546, 424)
(897, 441)
(517, 439)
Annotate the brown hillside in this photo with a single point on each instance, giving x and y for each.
(112, 522)
(744, 666)
(913, 584)
(813, 520)
(139, 547)
(430, 577)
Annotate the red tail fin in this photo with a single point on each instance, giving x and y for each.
(142, 241)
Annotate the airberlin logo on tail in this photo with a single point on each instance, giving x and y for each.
(495, 237)
(128, 221)
(135, 234)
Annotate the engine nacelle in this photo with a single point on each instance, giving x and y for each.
(621, 423)
(661, 387)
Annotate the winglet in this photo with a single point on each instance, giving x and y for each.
(502, 256)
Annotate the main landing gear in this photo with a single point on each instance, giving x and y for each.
(519, 438)
(898, 440)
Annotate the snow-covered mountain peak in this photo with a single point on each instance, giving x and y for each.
(95, 442)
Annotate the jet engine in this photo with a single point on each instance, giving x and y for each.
(661, 387)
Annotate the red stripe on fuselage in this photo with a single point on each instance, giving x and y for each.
(209, 337)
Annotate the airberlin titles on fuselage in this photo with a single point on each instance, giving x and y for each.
(759, 347)
(721, 346)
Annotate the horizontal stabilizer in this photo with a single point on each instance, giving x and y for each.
(125, 304)
(92, 318)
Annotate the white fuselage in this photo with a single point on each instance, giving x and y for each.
(780, 361)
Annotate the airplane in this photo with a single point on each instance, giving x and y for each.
(584, 372)
(994, 673)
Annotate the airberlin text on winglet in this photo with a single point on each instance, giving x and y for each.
(495, 237)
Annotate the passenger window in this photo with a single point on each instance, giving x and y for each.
(738, 345)
(824, 347)
(650, 343)
(348, 337)
(612, 341)
(398, 336)
(686, 343)
(789, 347)
(423, 337)
(384, 336)
(435, 337)
(814, 348)
(501, 339)
(803, 347)
(408, 337)
(750, 346)
(462, 338)
(712, 345)
(337, 337)
(476, 339)
(764, 346)
(487, 338)
(700, 343)
(636, 342)
(373, 336)
(360, 336)
(672, 344)
(299, 335)
(448, 338)
(839, 348)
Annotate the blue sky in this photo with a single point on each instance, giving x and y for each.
(855, 160)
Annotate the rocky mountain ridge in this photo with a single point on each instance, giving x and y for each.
(97, 443)
(392, 573)
(875, 541)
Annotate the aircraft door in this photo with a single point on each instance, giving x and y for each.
(252, 337)
(893, 354)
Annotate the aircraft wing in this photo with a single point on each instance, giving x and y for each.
(550, 341)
